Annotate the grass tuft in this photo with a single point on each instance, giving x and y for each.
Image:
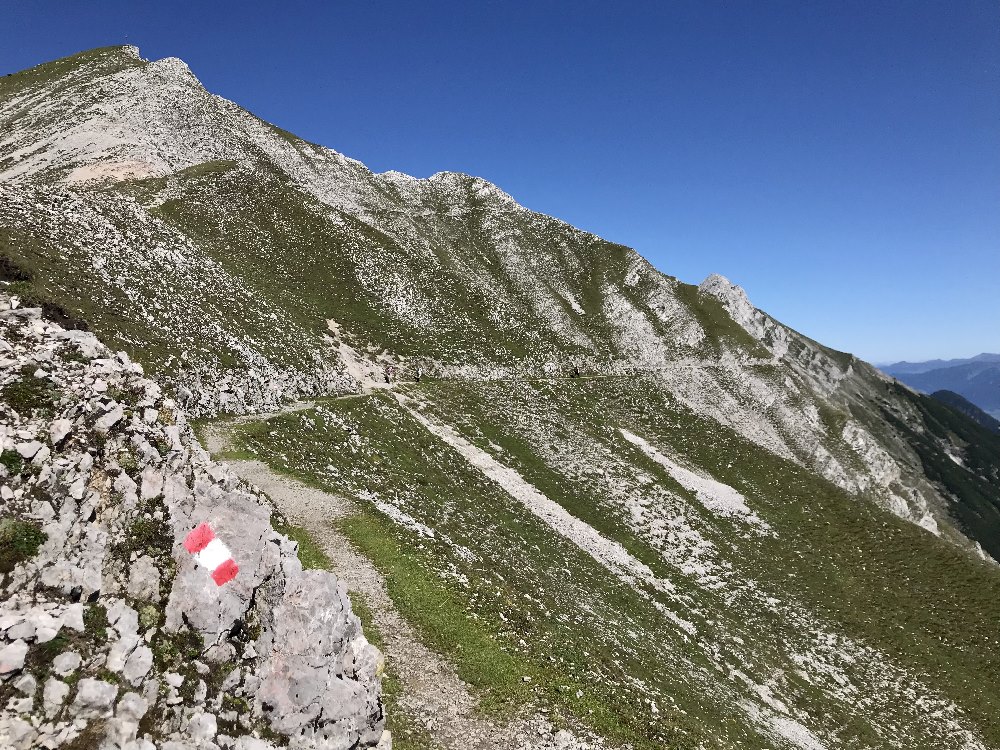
(19, 541)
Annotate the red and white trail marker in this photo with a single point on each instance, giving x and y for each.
(211, 553)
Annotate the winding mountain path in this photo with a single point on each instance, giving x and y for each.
(432, 693)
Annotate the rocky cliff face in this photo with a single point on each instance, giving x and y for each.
(111, 633)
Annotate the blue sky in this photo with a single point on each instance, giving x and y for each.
(840, 160)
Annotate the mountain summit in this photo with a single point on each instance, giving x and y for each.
(608, 508)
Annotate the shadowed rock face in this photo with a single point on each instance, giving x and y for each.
(108, 626)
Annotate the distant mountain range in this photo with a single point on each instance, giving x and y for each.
(976, 378)
(913, 368)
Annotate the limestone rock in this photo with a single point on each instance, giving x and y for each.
(29, 449)
(109, 420)
(131, 707)
(59, 429)
(53, 696)
(17, 734)
(144, 580)
(26, 685)
(12, 656)
(313, 616)
(138, 665)
(94, 699)
(66, 663)
(202, 727)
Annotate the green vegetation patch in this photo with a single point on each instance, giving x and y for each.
(19, 541)
(101, 59)
(146, 536)
(13, 462)
(30, 395)
(95, 622)
(441, 617)
(311, 554)
(176, 651)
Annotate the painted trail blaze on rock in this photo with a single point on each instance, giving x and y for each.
(211, 553)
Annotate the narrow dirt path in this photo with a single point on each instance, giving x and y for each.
(432, 693)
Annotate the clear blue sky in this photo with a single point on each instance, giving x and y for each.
(840, 160)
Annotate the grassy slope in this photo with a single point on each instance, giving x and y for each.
(53, 272)
(844, 558)
(975, 483)
(64, 72)
(534, 597)
(281, 244)
(522, 573)
(321, 264)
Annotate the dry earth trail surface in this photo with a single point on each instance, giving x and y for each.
(432, 695)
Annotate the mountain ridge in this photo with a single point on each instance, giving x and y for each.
(968, 408)
(913, 368)
(546, 293)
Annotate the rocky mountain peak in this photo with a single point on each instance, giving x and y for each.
(173, 68)
(733, 296)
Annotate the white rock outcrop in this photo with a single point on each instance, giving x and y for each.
(111, 634)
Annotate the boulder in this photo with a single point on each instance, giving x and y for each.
(29, 449)
(66, 663)
(12, 656)
(94, 699)
(58, 430)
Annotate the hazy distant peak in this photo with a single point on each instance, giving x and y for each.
(907, 367)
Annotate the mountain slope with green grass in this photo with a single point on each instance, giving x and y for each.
(721, 534)
(667, 613)
(969, 409)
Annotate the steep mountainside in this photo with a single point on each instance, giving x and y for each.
(969, 409)
(723, 534)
